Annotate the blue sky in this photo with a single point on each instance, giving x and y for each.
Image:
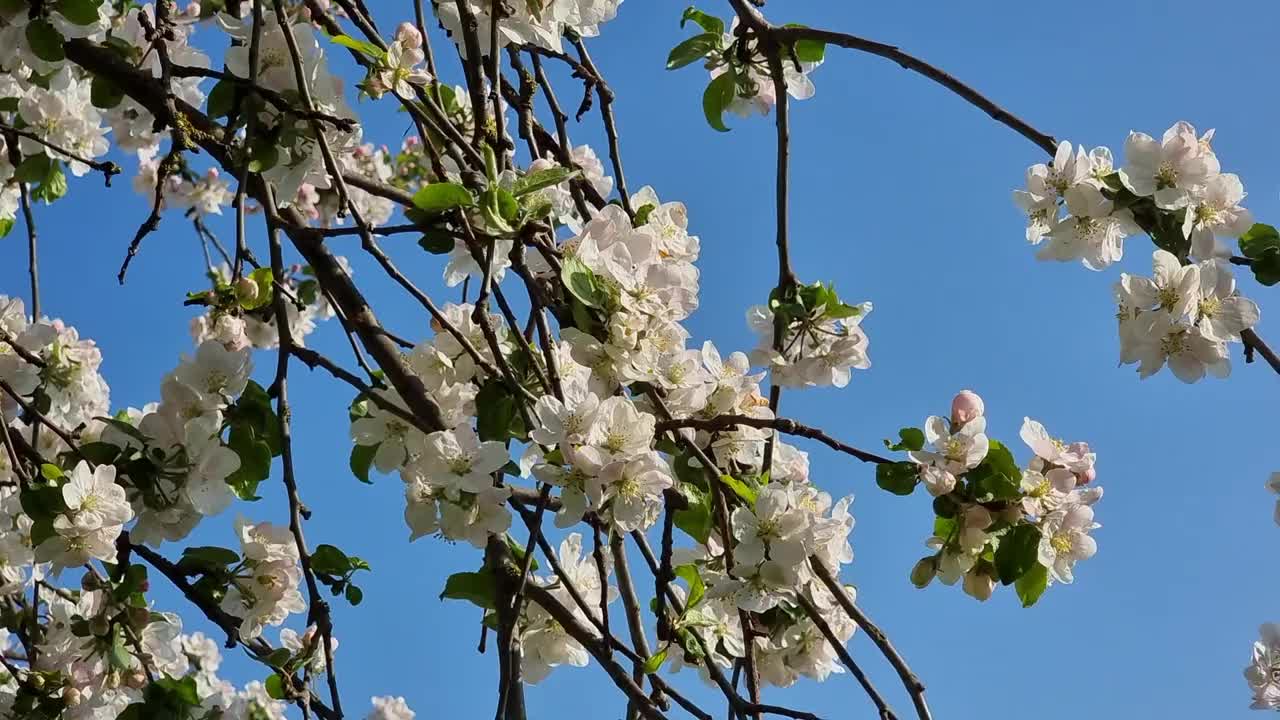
(901, 197)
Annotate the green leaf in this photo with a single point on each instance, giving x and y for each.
(1261, 243)
(33, 168)
(253, 410)
(506, 204)
(207, 558)
(808, 50)
(354, 594)
(255, 462)
(274, 685)
(693, 49)
(540, 179)
(581, 281)
(517, 550)
(367, 49)
(899, 478)
(50, 472)
(330, 560)
(361, 460)
(264, 153)
(911, 439)
(438, 197)
(654, 663)
(79, 12)
(477, 588)
(497, 415)
(695, 520)
(710, 23)
(998, 475)
(104, 94)
(6, 225)
(740, 488)
(642, 214)
(265, 280)
(222, 97)
(697, 589)
(1018, 552)
(716, 98)
(53, 186)
(100, 453)
(45, 41)
(436, 243)
(1032, 585)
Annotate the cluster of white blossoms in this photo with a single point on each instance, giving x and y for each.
(1184, 315)
(1180, 174)
(541, 22)
(264, 589)
(814, 342)
(998, 523)
(1174, 190)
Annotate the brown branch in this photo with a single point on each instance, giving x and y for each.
(784, 425)
(910, 681)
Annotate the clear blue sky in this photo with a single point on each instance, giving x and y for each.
(901, 196)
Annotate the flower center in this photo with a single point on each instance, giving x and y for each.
(1168, 297)
(1166, 176)
(1061, 542)
(1209, 307)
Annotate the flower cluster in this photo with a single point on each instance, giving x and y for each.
(264, 590)
(542, 22)
(1184, 315)
(996, 522)
(1174, 190)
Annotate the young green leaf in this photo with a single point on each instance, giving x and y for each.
(1032, 585)
(717, 97)
(361, 460)
(541, 179)
(710, 23)
(899, 478)
(693, 49)
(441, 196)
(477, 588)
(365, 48)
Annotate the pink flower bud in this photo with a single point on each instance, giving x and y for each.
(1087, 476)
(408, 35)
(965, 407)
(71, 696)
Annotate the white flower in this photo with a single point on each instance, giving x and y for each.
(457, 459)
(1220, 313)
(774, 529)
(1043, 493)
(618, 431)
(390, 708)
(1173, 288)
(1169, 170)
(1189, 353)
(215, 372)
(386, 430)
(1093, 233)
(94, 501)
(1215, 213)
(212, 462)
(1065, 539)
(633, 489)
(1263, 671)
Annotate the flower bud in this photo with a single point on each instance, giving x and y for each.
(1087, 476)
(924, 571)
(246, 291)
(408, 35)
(965, 407)
(979, 585)
(136, 680)
(70, 696)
